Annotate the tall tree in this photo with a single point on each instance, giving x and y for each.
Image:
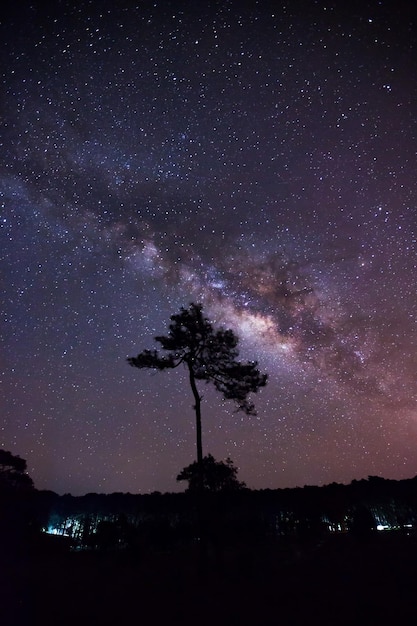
(209, 355)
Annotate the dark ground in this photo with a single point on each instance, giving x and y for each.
(339, 582)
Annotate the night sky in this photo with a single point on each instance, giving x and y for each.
(257, 157)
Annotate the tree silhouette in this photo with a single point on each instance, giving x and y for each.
(216, 475)
(13, 472)
(209, 355)
(17, 507)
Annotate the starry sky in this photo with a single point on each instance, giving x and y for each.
(257, 157)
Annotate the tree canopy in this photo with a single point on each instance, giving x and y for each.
(209, 355)
(13, 472)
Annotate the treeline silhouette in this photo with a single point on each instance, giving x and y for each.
(268, 556)
(125, 520)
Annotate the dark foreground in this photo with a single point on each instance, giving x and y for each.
(340, 581)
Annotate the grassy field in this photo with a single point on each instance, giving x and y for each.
(340, 581)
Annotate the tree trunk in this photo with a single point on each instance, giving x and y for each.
(197, 408)
(201, 519)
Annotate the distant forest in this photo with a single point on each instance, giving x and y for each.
(222, 510)
(123, 520)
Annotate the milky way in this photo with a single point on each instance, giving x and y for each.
(258, 158)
